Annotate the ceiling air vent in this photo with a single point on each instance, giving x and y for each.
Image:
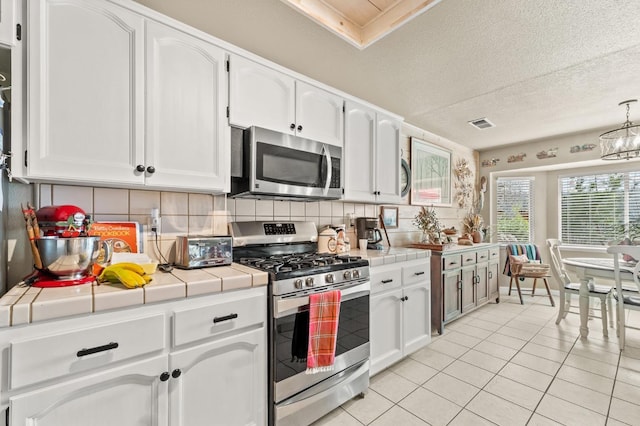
(481, 123)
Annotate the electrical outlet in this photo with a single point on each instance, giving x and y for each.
(155, 223)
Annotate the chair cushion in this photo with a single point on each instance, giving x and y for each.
(598, 289)
(629, 299)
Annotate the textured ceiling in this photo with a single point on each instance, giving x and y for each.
(534, 69)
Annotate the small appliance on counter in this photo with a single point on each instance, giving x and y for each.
(367, 229)
(201, 251)
(63, 221)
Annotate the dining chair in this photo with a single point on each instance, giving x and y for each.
(528, 252)
(624, 299)
(566, 288)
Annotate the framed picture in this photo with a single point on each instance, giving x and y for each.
(389, 216)
(430, 174)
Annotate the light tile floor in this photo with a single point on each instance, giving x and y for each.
(507, 364)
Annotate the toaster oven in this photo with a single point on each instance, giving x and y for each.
(201, 251)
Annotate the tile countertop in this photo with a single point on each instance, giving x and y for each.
(22, 305)
(391, 255)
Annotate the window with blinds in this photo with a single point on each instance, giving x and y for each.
(596, 209)
(515, 209)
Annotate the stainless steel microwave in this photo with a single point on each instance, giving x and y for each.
(273, 165)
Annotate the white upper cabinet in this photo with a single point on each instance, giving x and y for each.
(372, 155)
(260, 96)
(7, 22)
(86, 91)
(387, 159)
(187, 139)
(359, 138)
(319, 114)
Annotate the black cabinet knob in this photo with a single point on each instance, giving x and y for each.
(292, 126)
(176, 373)
(164, 376)
(140, 168)
(299, 128)
(151, 170)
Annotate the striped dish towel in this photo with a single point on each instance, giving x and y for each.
(324, 311)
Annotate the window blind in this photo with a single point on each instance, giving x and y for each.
(515, 209)
(596, 209)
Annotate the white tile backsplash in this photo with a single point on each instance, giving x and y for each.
(264, 208)
(174, 203)
(298, 209)
(325, 208)
(79, 196)
(110, 201)
(141, 202)
(200, 204)
(281, 209)
(46, 198)
(245, 207)
(312, 209)
(201, 225)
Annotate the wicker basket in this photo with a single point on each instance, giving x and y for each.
(533, 270)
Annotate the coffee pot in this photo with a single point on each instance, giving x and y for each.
(367, 228)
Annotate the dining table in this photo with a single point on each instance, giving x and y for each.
(588, 269)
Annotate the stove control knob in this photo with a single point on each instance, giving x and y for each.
(309, 282)
(356, 273)
(347, 275)
(328, 278)
(297, 283)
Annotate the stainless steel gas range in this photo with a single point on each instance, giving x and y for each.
(287, 250)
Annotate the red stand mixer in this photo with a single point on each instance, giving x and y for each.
(63, 255)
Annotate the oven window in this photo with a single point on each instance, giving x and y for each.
(292, 335)
(289, 166)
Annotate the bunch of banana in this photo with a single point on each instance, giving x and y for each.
(130, 274)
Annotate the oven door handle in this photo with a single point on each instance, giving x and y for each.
(327, 156)
(288, 306)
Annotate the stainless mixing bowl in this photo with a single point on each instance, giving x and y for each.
(68, 258)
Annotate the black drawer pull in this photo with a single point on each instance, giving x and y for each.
(453, 263)
(83, 352)
(225, 318)
(387, 281)
(419, 273)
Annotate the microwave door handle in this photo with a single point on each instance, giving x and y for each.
(327, 156)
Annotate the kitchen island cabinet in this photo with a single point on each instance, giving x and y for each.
(261, 96)
(464, 278)
(400, 311)
(372, 155)
(199, 361)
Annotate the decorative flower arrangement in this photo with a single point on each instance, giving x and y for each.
(472, 222)
(463, 174)
(429, 224)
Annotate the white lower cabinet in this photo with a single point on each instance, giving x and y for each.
(130, 395)
(220, 383)
(118, 368)
(400, 311)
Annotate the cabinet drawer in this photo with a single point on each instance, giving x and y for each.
(494, 253)
(482, 256)
(385, 278)
(44, 358)
(469, 258)
(416, 272)
(220, 316)
(451, 262)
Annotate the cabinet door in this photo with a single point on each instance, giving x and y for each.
(133, 394)
(482, 283)
(386, 330)
(417, 317)
(260, 96)
(451, 295)
(468, 297)
(492, 275)
(187, 139)
(387, 159)
(7, 28)
(220, 383)
(86, 93)
(319, 114)
(359, 140)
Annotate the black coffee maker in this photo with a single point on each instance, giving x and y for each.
(367, 228)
